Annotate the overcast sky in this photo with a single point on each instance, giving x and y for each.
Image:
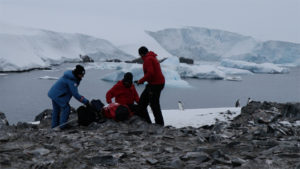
(120, 20)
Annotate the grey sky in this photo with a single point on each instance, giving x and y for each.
(118, 20)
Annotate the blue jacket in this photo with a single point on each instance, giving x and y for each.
(66, 87)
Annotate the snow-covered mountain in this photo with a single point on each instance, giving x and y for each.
(214, 45)
(25, 48)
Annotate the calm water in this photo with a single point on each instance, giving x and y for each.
(24, 95)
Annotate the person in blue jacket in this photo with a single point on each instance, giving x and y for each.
(61, 93)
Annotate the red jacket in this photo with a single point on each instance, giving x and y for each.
(110, 110)
(152, 70)
(122, 94)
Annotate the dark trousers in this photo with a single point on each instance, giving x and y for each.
(151, 95)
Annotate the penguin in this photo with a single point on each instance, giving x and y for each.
(237, 103)
(180, 105)
(249, 100)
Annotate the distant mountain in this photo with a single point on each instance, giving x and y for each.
(214, 45)
(25, 48)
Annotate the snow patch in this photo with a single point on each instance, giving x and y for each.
(198, 117)
(48, 78)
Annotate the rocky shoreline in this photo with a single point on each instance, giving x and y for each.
(264, 135)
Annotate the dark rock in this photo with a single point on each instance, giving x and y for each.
(246, 142)
(291, 111)
(86, 58)
(46, 114)
(152, 161)
(186, 60)
(237, 161)
(177, 163)
(113, 60)
(106, 160)
(196, 156)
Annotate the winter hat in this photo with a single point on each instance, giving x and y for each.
(79, 70)
(128, 77)
(122, 113)
(143, 51)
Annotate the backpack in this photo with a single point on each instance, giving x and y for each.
(88, 114)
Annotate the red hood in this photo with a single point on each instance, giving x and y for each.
(120, 83)
(149, 54)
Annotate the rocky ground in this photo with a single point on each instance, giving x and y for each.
(264, 135)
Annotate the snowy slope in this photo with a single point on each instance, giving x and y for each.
(214, 45)
(25, 48)
(198, 117)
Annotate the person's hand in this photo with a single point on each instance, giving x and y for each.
(136, 82)
(87, 104)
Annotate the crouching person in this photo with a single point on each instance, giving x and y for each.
(61, 93)
(124, 92)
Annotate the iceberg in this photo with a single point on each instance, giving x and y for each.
(200, 72)
(203, 44)
(253, 67)
(26, 48)
(173, 79)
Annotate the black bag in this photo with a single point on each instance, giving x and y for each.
(89, 114)
(97, 105)
(85, 116)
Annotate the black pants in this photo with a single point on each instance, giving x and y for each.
(151, 95)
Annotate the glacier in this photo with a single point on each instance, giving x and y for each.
(203, 44)
(24, 48)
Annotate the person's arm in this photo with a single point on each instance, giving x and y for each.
(74, 90)
(110, 94)
(149, 72)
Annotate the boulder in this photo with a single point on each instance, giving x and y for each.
(186, 60)
(86, 58)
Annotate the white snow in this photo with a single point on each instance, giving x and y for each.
(297, 123)
(197, 117)
(48, 78)
(25, 48)
(34, 122)
(253, 67)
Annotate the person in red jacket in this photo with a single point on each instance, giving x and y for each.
(156, 82)
(124, 92)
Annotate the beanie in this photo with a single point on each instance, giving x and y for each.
(128, 77)
(79, 70)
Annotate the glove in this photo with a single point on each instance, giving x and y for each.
(87, 104)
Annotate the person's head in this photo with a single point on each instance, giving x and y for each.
(143, 51)
(79, 72)
(122, 113)
(127, 80)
